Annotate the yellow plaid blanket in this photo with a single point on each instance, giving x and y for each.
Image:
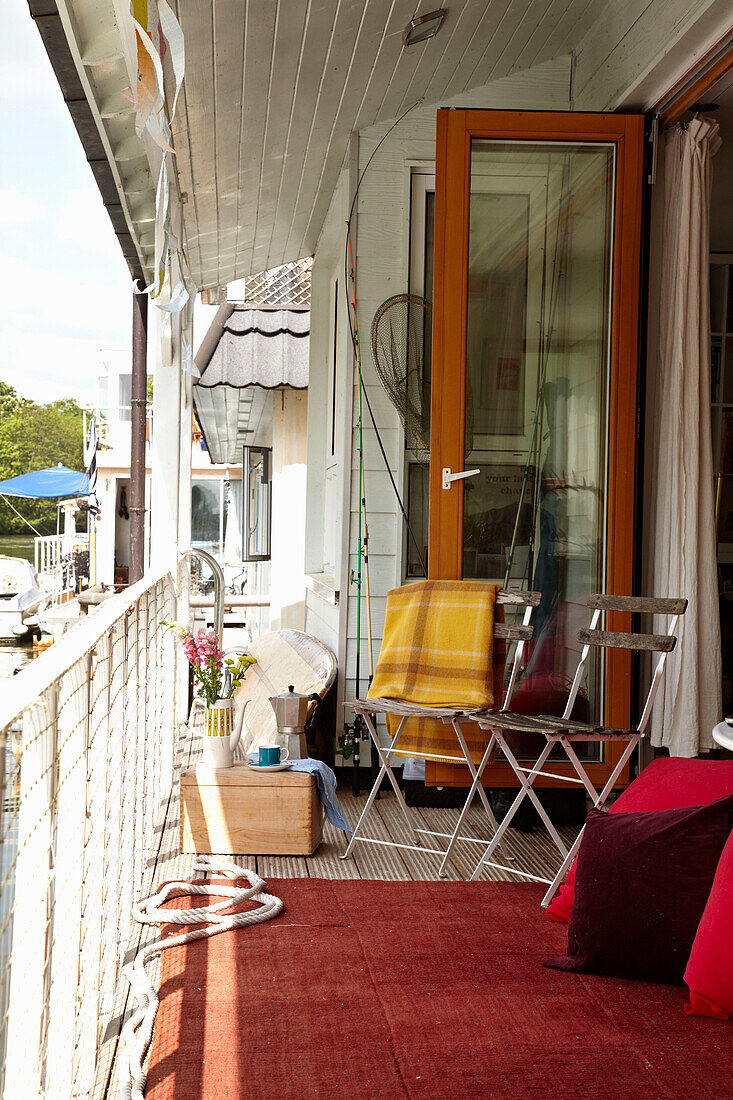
(438, 650)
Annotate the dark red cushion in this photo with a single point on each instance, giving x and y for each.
(667, 784)
(641, 886)
(709, 972)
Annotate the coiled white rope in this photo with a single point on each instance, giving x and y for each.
(138, 1030)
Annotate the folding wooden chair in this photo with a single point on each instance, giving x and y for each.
(521, 633)
(562, 731)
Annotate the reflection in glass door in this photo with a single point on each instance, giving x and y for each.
(528, 371)
(537, 355)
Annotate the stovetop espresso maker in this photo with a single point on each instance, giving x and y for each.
(291, 713)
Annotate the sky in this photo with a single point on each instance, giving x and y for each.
(65, 289)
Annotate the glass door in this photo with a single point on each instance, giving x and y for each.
(536, 268)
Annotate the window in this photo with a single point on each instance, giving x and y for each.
(257, 494)
(207, 515)
(125, 394)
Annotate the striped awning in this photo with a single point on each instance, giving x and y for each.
(246, 351)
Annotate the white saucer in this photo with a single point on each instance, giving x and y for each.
(269, 767)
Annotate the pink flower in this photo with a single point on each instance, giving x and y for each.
(202, 650)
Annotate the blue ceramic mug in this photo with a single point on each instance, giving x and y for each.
(270, 755)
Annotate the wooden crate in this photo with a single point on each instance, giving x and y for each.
(238, 811)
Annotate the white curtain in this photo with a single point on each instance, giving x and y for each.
(682, 522)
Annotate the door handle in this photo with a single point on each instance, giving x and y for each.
(449, 477)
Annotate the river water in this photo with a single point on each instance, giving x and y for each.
(18, 546)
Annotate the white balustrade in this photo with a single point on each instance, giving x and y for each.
(86, 739)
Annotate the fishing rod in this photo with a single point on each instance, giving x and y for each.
(362, 547)
(361, 581)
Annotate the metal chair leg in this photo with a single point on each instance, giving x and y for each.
(476, 773)
(384, 757)
(599, 801)
(472, 769)
(580, 770)
(384, 770)
(508, 817)
(527, 782)
(566, 864)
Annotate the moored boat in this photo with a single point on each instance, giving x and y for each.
(21, 597)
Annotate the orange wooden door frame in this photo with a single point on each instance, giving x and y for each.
(456, 129)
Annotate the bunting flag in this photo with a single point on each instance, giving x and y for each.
(158, 35)
(90, 461)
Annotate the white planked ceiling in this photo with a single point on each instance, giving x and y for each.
(274, 88)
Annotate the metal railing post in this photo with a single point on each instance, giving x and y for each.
(218, 585)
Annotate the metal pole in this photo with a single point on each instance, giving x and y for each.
(137, 439)
(219, 585)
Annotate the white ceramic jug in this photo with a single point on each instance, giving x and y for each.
(220, 737)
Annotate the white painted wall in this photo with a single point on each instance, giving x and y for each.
(106, 526)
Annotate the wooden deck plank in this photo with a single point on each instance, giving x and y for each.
(326, 861)
(283, 867)
(373, 860)
(464, 856)
(422, 865)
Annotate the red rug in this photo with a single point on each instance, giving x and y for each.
(427, 990)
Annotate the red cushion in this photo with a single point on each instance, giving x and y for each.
(669, 783)
(642, 883)
(709, 972)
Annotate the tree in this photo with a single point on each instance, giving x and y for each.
(33, 436)
(10, 401)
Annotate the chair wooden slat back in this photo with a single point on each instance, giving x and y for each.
(594, 636)
(614, 639)
(519, 633)
(640, 605)
(521, 598)
(511, 633)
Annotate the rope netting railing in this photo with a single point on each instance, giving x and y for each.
(87, 761)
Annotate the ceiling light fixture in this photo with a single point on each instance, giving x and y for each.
(424, 27)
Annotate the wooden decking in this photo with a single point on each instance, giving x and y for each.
(533, 853)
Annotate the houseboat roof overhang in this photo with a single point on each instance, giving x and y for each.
(273, 91)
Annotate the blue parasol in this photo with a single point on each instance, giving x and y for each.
(54, 481)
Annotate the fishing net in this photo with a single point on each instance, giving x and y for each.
(400, 340)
